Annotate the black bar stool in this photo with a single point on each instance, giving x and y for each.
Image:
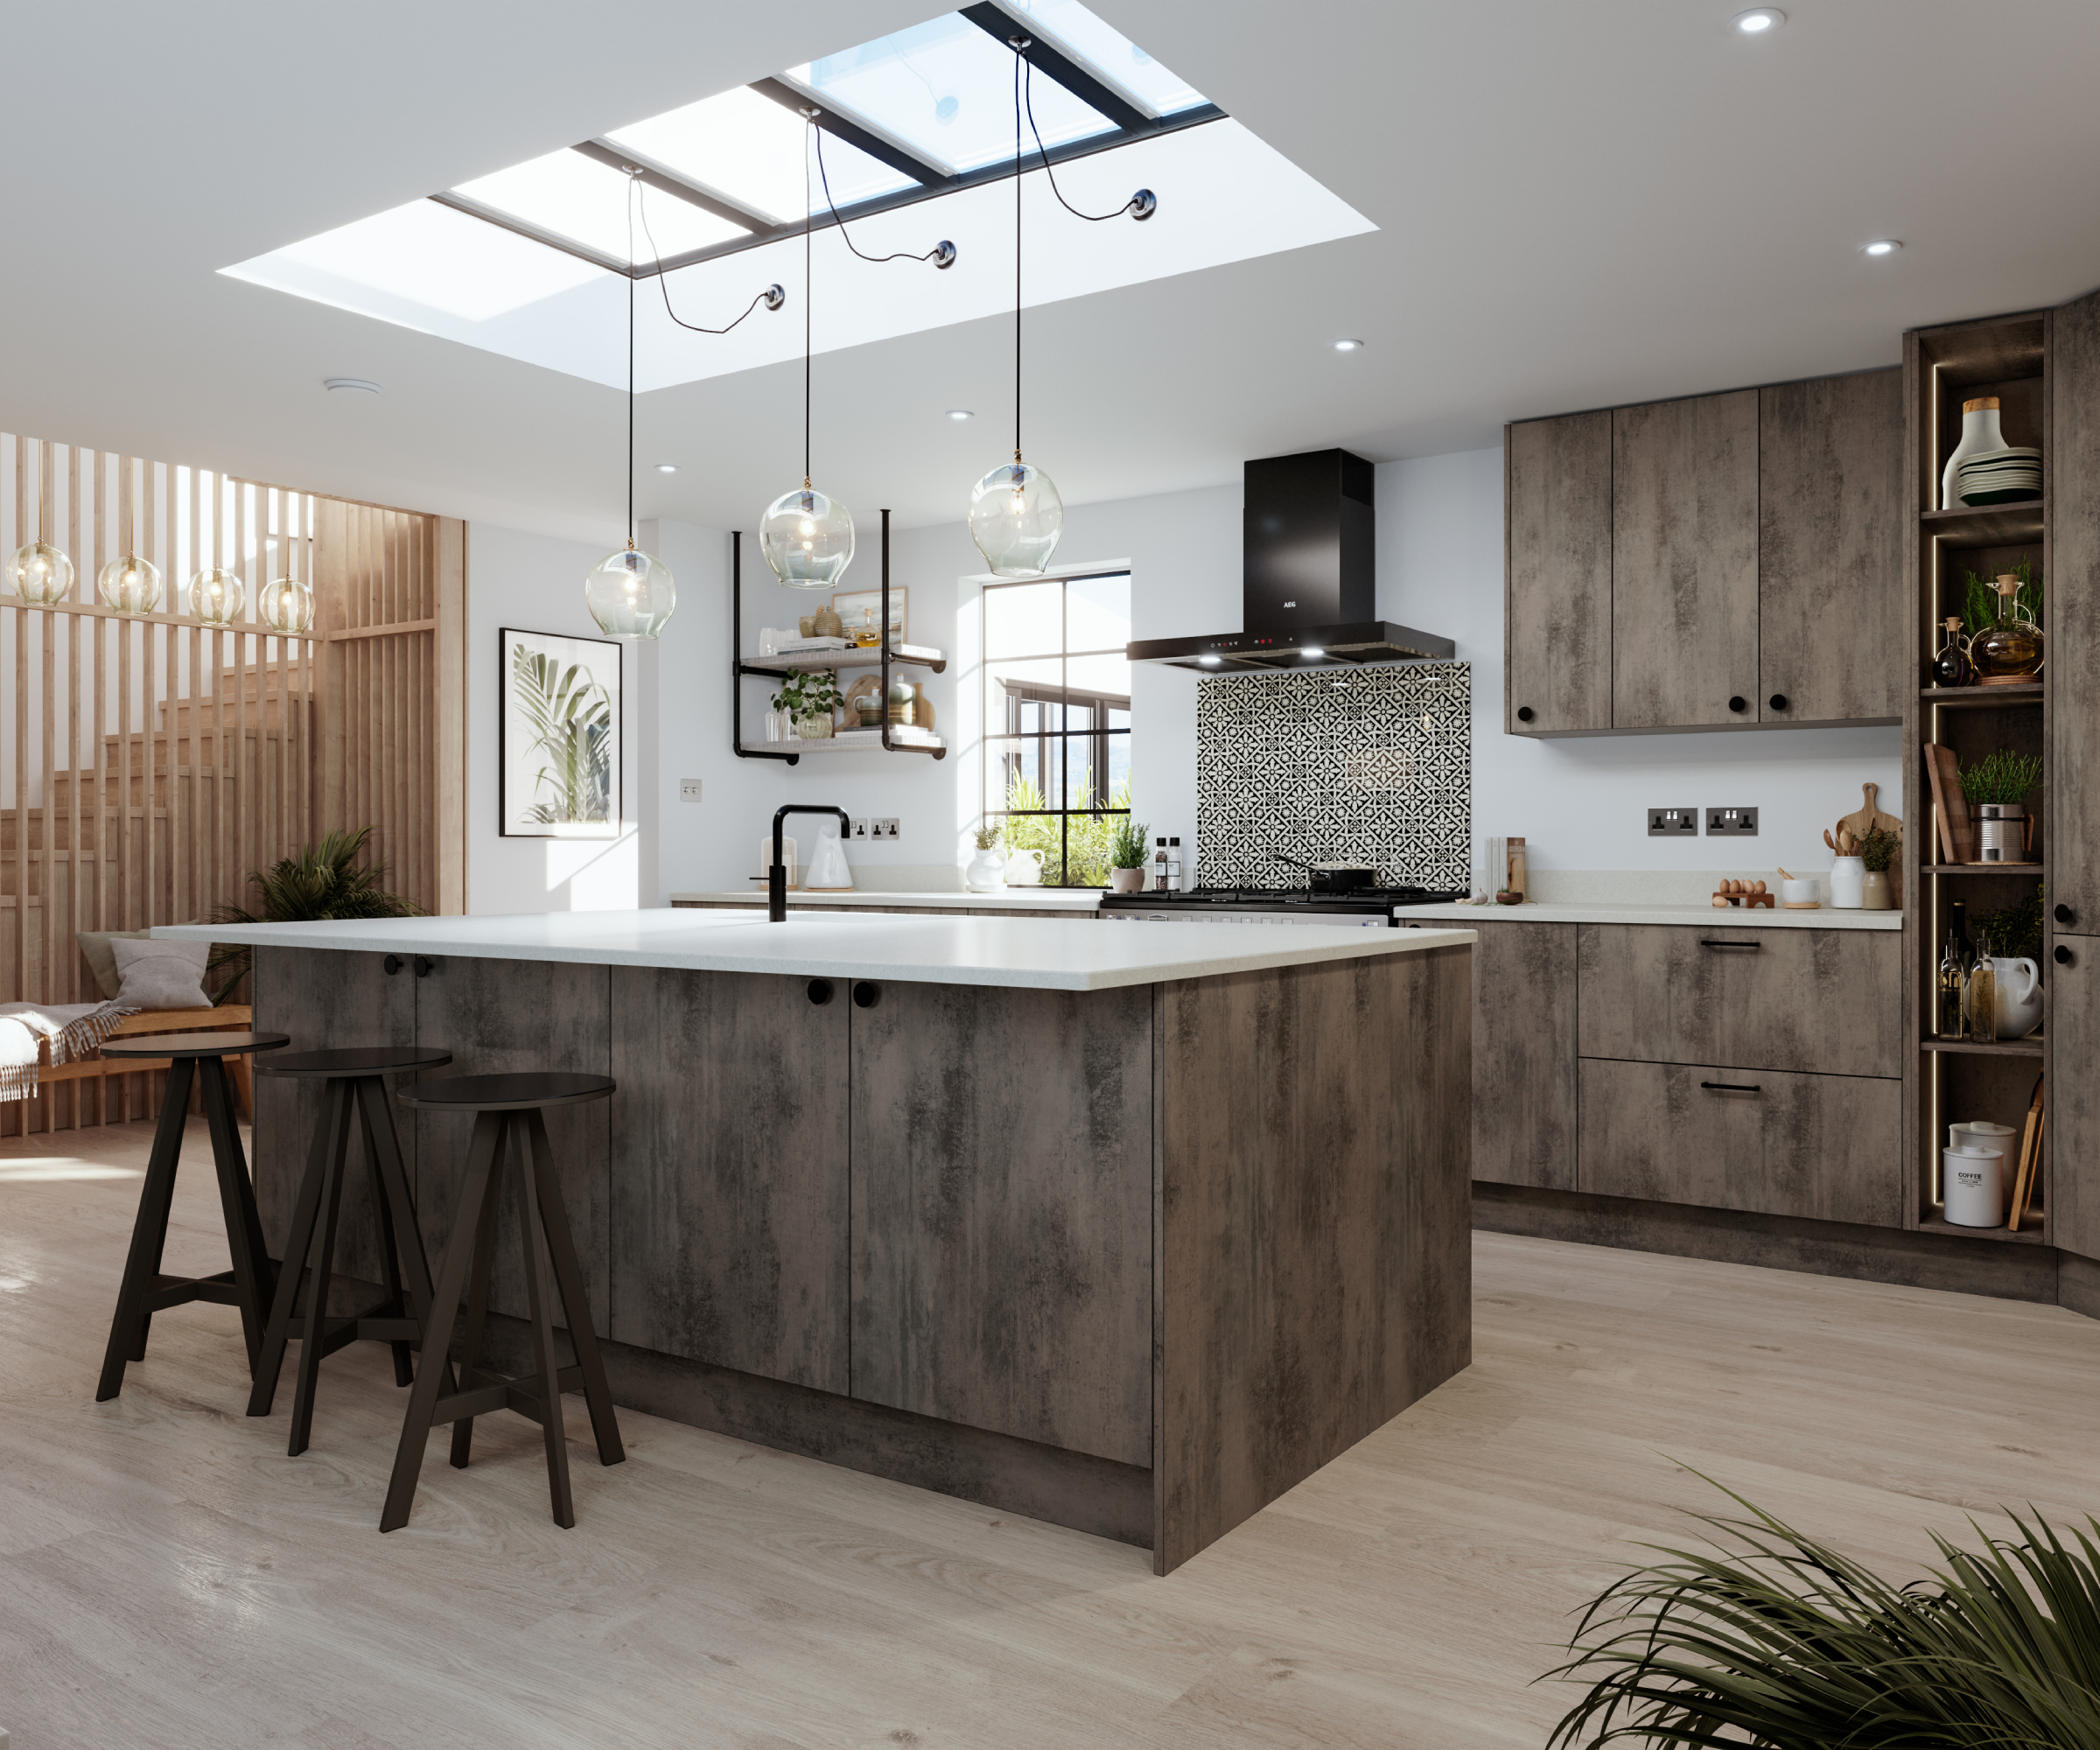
(356, 1092)
(506, 1123)
(196, 1059)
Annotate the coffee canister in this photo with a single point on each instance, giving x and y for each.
(1973, 1183)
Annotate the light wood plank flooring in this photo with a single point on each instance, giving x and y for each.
(168, 1578)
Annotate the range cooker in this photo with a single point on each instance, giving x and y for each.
(1365, 908)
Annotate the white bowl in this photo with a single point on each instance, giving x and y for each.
(1800, 892)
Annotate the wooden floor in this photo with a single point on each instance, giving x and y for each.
(168, 1578)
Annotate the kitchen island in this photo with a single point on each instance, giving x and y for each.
(1128, 1230)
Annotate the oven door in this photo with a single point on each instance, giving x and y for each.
(1296, 914)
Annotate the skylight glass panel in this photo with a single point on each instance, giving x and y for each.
(1110, 56)
(586, 201)
(749, 150)
(945, 89)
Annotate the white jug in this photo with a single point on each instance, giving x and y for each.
(2019, 996)
(829, 872)
(1023, 868)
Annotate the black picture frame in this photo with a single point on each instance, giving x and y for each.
(520, 798)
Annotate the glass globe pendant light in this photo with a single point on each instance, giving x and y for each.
(286, 605)
(41, 573)
(630, 593)
(130, 584)
(216, 596)
(807, 535)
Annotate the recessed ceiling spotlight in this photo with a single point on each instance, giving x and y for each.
(353, 385)
(960, 413)
(1348, 345)
(1760, 21)
(666, 467)
(1882, 246)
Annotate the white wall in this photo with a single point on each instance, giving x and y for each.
(1581, 804)
(535, 582)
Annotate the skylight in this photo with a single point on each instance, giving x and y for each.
(532, 262)
(945, 89)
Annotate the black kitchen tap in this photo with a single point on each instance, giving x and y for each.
(776, 875)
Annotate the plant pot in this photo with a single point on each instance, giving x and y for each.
(1126, 880)
(986, 873)
(1875, 895)
(1848, 877)
(815, 727)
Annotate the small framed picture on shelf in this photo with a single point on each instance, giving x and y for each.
(858, 611)
(559, 736)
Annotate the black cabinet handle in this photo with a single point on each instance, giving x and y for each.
(1734, 1087)
(1753, 946)
(425, 965)
(2065, 915)
(820, 992)
(392, 962)
(866, 994)
(1525, 713)
(2064, 957)
(1738, 704)
(1779, 702)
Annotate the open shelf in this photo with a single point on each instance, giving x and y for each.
(2029, 1046)
(870, 741)
(1984, 525)
(2018, 693)
(861, 656)
(1981, 868)
(2029, 1234)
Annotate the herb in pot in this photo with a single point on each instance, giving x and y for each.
(2018, 928)
(2003, 777)
(986, 836)
(1127, 847)
(1878, 849)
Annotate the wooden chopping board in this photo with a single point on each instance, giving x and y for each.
(1870, 818)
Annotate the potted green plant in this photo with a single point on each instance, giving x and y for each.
(1126, 856)
(1996, 787)
(1877, 851)
(809, 698)
(1771, 1638)
(324, 880)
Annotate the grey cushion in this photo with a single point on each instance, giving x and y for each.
(94, 947)
(162, 975)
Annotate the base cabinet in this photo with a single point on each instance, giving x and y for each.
(1826, 1147)
(2074, 1095)
(1523, 1055)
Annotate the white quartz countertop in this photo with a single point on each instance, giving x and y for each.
(1709, 916)
(996, 951)
(1006, 899)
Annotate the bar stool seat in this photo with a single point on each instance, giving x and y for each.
(198, 1061)
(355, 1097)
(510, 1133)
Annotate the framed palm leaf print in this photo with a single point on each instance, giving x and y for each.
(560, 736)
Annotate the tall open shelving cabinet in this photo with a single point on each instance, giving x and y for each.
(2044, 367)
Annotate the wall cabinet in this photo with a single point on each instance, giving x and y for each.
(1685, 562)
(1722, 561)
(1523, 1055)
(1557, 673)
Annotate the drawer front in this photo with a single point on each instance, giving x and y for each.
(1827, 1147)
(1829, 1001)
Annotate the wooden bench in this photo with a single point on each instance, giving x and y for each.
(239, 1016)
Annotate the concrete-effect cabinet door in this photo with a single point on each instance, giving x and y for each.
(1524, 1066)
(1557, 598)
(2073, 619)
(2074, 1095)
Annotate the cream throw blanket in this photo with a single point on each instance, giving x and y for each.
(24, 1029)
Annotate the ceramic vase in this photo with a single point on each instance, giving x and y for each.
(1848, 879)
(1980, 434)
(1875, 895)
(986, 873)
(815, 727)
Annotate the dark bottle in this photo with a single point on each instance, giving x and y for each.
(1952, 667)
(1958, 933)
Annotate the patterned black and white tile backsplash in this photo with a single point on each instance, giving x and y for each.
(1334, 764)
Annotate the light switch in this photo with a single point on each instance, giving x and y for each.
(688, 789)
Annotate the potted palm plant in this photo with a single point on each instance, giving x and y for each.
(324, 880)
(1126, 856)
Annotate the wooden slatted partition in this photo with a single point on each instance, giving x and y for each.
(152, 761)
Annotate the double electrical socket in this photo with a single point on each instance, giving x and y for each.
(1685, 822)
(875, 829)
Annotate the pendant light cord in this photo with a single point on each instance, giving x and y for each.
(933, 255)
(772, 297)
(1028, 98)
(633, 195)
(808, 289)
(1020, 57)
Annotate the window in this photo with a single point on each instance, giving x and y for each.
(1057, 720)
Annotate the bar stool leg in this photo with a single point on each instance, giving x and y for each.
(253, 1280)
(329, 1136)
(313, 1341)
(383, 1207)
(477, 1292)
(438, 1334)
(149, 1234)
(532, 1234)
(576, 1306)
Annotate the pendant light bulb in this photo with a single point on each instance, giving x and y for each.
(287, 605)
(40, 572)
(807, 537)
(1016, 517)
(216, 595)
(130, 584)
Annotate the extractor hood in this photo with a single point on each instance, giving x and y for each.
(1311, 592)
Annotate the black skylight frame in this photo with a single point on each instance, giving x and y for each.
(1130, 124)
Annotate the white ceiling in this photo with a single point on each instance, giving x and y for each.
(1577, 204)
